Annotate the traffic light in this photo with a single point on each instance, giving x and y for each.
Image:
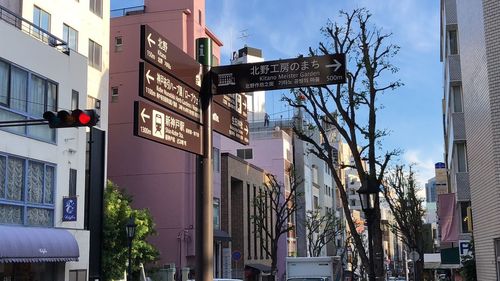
(75, 118)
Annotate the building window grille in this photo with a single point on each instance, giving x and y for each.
(27, 190)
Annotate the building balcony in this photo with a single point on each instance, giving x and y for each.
(32, 30)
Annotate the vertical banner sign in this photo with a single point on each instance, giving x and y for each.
(69, 208)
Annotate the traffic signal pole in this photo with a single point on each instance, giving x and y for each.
(204, 205)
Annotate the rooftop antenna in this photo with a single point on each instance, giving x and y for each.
(244, 35)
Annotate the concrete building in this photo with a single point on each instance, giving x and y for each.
(158, 177)
(53, 56)
(469, 50)
(242, 182)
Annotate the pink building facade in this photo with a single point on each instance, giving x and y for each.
(159, 177)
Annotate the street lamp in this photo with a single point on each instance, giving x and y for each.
(368, 196)
(130, 229)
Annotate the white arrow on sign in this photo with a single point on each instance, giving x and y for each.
(144, 116)
(337, 65)
(151, 40)
(244, 103)
(149, 76)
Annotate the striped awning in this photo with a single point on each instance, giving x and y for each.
(37, 244)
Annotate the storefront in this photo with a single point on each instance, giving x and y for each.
(35, 253)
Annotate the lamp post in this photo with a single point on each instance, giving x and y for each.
(130, 229)
(368, 197)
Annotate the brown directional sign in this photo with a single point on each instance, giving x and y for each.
(159, 51)
(169, 92)
(235, 102)
(280, 74)
(230, 124)
(163, 126)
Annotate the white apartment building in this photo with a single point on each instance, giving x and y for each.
(53, 56)
(470, 50)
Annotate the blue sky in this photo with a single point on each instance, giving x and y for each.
(287, 28)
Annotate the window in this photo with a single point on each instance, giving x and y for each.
(25, 95)
(315, 202)
(70, 35)
(78, 275)
(95, 54)
(26, 191)
(72, 182)
(456, 98)
(74, 100)
(96, 7)
(216, 213)
(199, 17)
(114, 94)
(245, 153)
(118, 44)
(315, 174)
(216, 159)
(353, 202)
(452, 42)
(461, 151)
(464, 209)
(41, 19)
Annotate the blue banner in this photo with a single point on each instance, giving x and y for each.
(69, 208)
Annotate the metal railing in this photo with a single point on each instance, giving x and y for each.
(127, 11)
(33, 30)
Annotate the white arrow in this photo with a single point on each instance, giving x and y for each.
(337, 65)
(244, 103)
(149, 76)
(151, 40)
(144, 116)
(246, 130)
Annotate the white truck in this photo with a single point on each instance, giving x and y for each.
(313, 269)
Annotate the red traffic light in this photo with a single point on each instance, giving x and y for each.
(68, 119)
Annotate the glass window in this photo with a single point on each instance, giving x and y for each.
(36, 106)
(18, 89)
(78, 275)
(96, 7)
(118, 44)
(74, 99)
(216, 159)
(41, 18)
(453, 42)
(456, 92)
(70, 35)
(216, 213)
(464, 206)
(245, 153)
(72, 182)
(95, 54)
(461, 151)
(4, 83)
(26, 187)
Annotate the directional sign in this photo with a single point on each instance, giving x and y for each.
(235, 102)
(166, 127)
(159, 51)
(280, 74)
(230, 124)
(165, 90)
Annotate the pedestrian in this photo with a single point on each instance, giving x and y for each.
(266, 120)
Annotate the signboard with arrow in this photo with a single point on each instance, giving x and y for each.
(169, 92)
(159, 51)
(280, 74)
(167, 127)
(232, 126)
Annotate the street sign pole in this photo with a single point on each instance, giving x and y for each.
(204, 204)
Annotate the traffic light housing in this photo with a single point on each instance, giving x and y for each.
(68, 119)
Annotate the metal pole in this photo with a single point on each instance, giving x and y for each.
(204, 206)
(371, 270)
(414, 271)
(129, 268)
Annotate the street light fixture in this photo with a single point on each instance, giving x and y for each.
(130, 229)
(368, 196)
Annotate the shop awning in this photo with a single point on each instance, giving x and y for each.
(260, 267)
(37, 244)
(221, 235)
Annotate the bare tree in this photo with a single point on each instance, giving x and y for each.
(407, 208)
(277, 204)
(351, 109)
(321, 230)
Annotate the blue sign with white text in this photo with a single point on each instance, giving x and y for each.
(69, 208)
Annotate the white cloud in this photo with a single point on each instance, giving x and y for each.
(423, 166)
